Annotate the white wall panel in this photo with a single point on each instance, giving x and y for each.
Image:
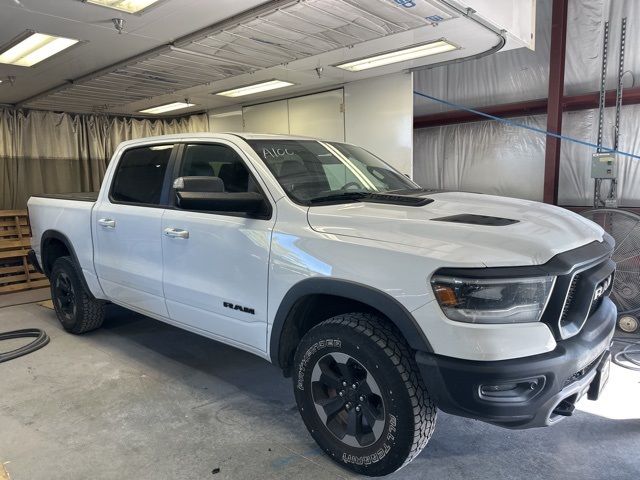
(320, 115)
(379, 117)
(272, 117)
(225, 120)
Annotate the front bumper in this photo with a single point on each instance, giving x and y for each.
(547, 384)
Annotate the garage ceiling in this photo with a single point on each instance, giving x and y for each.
(184, 49)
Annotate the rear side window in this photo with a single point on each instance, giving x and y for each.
(140, 175)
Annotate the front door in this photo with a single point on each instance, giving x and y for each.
(128, 234)
(216, 264)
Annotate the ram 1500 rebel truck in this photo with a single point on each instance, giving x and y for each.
(383, 301)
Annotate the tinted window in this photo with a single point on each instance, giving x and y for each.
(216, 161)
(140, 175)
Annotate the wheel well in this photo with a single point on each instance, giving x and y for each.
(308, 312)
(53, 249)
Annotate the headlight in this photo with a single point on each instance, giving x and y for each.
(517, 300)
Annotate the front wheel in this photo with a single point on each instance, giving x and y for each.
(360, 394)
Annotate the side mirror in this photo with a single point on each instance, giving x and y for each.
(198, 184)
(239, 202)
(207, 194)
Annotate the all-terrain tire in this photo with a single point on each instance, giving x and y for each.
(76, 308)
(362, 343)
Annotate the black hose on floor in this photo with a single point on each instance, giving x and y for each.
(41, 339)
(629, 356)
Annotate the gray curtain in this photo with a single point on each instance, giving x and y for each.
(48, 152)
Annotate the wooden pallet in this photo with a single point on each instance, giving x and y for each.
(16, 273)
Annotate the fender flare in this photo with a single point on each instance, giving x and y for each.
(377, 299)
(49, 235)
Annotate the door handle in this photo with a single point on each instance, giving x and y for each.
(176, 233)
(107, 223)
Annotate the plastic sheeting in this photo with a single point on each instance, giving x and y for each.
(493, 158)
(46, 152)
(484, 157)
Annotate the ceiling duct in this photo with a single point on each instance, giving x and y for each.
(259, 39)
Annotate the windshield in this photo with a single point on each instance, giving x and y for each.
(310, 170)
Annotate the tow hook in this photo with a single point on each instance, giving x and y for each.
(565, 408)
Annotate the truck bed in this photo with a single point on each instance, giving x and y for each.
(79, 196)
(69, 216)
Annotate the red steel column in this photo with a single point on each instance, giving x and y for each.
(555, 99)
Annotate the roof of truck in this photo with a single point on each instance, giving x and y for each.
(209, 135)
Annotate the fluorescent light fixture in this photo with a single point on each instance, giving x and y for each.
(31, 48)
(255, 88)
(169, 107)
(129, 6)
(411, 53)
(227, 114)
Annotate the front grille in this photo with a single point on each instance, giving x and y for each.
(580, 301)
(598, 301)
(569, 301)
(572, 300)
(595, 305)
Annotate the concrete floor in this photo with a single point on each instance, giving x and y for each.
(139, 399)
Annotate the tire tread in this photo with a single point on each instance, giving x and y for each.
(396, 348)
(90, 312)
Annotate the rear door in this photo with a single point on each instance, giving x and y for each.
(128, 238)
(216, 267)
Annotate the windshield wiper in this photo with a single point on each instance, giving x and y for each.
(374, 197)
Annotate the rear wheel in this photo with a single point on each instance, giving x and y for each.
(76, 309)
(360, 394)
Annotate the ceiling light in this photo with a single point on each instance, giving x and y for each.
(129, 6)
(255, 88)
(169, 107)
(411, 53)
(31, 48)
(226, 114)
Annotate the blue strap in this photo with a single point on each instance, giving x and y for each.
(527, 127)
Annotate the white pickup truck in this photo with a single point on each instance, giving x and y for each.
(381, 299)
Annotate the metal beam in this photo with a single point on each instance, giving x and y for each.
(585, 101)
(554, 104)
(505, 110)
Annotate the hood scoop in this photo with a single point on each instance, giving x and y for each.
(471, 219)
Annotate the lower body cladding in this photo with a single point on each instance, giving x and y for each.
(527, 392)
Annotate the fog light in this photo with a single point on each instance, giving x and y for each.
(514, 391)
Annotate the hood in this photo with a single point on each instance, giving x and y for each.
(540, 231)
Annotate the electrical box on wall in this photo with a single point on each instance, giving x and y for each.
(604, 165)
